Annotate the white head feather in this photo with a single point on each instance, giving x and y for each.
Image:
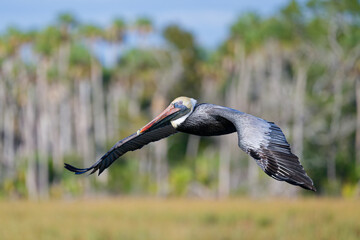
(189, 103)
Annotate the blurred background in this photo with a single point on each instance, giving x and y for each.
(77, 76)
(73, 84)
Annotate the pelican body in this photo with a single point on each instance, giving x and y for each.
(262, 140)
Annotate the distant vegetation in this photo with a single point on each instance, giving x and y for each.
(63, 100)
(181, 219)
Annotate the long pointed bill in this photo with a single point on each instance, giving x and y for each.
(169, 111)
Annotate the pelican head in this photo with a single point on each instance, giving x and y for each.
(177, 112)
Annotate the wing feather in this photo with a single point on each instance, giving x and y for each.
(265, 142)
(130, 143)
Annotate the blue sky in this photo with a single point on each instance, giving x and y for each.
(209, 20)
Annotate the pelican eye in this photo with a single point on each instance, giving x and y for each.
(178, 104)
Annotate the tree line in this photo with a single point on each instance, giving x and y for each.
(61, 102)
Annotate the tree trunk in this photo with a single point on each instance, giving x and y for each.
(65, 120)
(2, 110)
(29, 127)
(98, 114)
(224, 168)
(161, 164)
(54, 125)
(192, 146)
(9, 136)
(299, 113)
(335, 124)
(98, 108)
(357, 142)
(42, 129)
(63, 60)
(84, 137)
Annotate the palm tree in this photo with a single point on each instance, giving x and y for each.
(143, 26)
(116, 32)
(115, 35)
(92, 35)
(12, 82)
(46, 45)
(67, 23)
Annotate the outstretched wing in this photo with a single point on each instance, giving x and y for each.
(130, 143)
(265, 142)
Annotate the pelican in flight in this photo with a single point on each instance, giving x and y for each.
(262, 140)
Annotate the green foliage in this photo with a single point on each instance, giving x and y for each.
(116, 32)
(15, 187)
(71, 183)
(12, 40)
(79, 55)
(122, 176)
(119, 24)
(332, 188)
(293, 12)
(138, 59)
(180, 178)
(80, 60)
(67, 19)
(143, 25)
(180, 38)
(48, 41)
(90, 31)
(177, 149)
(242, 30)
(349, 190)
(316, 30)
(184, 42)
(206, 170)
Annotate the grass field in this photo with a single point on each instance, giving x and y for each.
(181, 219)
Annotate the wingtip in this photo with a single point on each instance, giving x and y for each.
(101, 170)
(312, 188)
(309, 186)
(69, 167)
(75, 170)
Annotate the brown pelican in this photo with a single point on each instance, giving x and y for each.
(262, 140)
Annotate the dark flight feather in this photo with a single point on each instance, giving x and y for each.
(265, 142)
(277, 160)
(130, 143)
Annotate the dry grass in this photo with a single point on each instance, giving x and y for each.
(181, 219)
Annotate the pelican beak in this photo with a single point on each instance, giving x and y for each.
(169, 113)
